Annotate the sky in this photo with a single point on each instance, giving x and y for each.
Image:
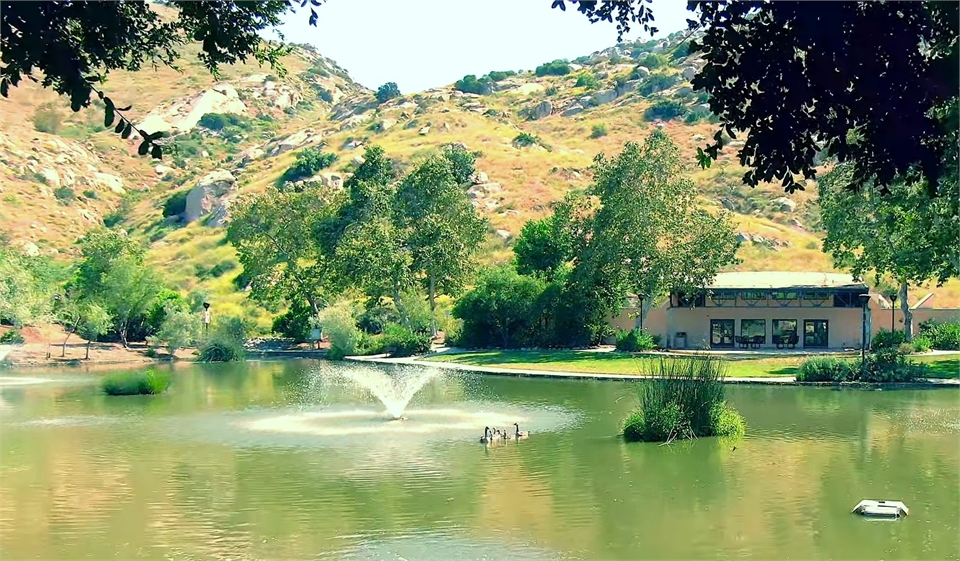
(420, 44)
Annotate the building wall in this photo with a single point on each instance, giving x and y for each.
(881, 317)
(843, 327)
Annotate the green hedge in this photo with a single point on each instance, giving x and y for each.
(136, 383)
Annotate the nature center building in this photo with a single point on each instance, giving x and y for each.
(760, 310)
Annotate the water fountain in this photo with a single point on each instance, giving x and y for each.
(394, 392)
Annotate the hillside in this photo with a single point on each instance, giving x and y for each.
(62, 174)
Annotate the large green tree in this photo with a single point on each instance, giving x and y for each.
(648, 235)
(28, 285)
(441, 228)
(800, 79)
(906, 237)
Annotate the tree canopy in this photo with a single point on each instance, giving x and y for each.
(799, 79)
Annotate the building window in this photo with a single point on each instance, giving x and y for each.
(721, 333)
(754, 330)
(753, 298)
(846, 300)
(784, 331)
(691, 300)
(815, 333)
(816, 298)
(784, 298)
(723, 297)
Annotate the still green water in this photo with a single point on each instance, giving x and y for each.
(275, 460)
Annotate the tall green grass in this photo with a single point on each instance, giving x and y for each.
(136, 383)
(684, 399)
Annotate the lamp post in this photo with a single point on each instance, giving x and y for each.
(864, 300)
(893, 311)
(640, 297)
(206, 317)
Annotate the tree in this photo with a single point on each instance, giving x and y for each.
(441, 228)
(94, 323)
(543, 247)
(387, 92)
(800, 80)
(309, 161)
(75, 45)
(501, 310)
(179, 329)
(129, 288)
(903, 236)
(647, 235)
(27, 287)
(274, 235)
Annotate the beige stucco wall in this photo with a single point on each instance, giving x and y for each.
(843, 327)
(881, 317)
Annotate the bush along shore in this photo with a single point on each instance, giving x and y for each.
(149, 382)
(885, 364)
(685, 399)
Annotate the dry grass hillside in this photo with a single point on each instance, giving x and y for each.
(61, 173)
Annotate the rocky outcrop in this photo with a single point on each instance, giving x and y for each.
(689, 72)
(385, 124)
(539, 111)
(785, 204)
(250, 155)
(574, 109)
(183, 114)
(212, 196)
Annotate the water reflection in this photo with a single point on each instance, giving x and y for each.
(82, 475)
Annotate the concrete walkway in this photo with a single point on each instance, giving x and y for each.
(497, 371)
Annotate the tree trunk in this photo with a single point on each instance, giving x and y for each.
(63, 348)
(433, 308)
(907, 314)
(398, 303)
(88, 351)
(123, 335)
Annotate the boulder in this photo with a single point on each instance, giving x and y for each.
(51, 177)
(743, 237)
(479, 178)
(503, 234)
(330, 179)
(162, 170)
(540, 110)
(184, 113)
(31, 249)
(689, 72)
(293, 141)
(424, 130)
(250, 154)
(572, 110)
(386, 124)
(527, 89)
(605, 96)
(684, 91)
(109, 181)
(643, 71)
(211, 195)
(489, 188)
(785, 204)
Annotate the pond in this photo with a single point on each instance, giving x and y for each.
(293, 460)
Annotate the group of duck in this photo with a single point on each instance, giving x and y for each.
(496, 435)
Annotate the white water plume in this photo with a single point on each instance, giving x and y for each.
(395, 392)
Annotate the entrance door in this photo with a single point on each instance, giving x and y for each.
(815, 333)
(721, 333)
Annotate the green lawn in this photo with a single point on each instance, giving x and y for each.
(945, 366)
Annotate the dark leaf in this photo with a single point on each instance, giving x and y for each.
(108, 115)
(157, 152)
(126, 131)
(127, 108)
(143, 148)
(119, 128)
(4, 88)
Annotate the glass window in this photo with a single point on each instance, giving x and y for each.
(722, 297)
(752, 295)
(815, 333)
(784, 330)
(816, 296)
(754, 328)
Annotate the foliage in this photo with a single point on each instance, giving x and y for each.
(180, 328)
(551, 91)
(129, 289)
(225, 341)
(471, 84)
(341, 329)
(375, 318)
(462, 162)
(47, 119)
(27, 286)
(558, 67)
(74, 47)
(543, 246)
(176, 204)
(501, 311)
(653, 61)
(401, 341)
(890, 365)
(635, 340)
(664, 110)
(216, 350)
(295, 322)
(95, 321)
(497, 75)
(698, 114)
(885, 339)
(64, 194)
(150, 382)
(309, 161)
(387, 91)
(656, 82)
(943, 336)
(922, 344)
(220, 121)
(646, 235)
(587, 80)
(826, 369)
(598, 130)
(12, 337)
(685, 399)
(525, 139)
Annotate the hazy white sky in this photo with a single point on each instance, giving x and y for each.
(421, 44)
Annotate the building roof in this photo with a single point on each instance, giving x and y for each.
(782, 280)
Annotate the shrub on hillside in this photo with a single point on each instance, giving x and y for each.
(48, 119)
(471, 84)
(598, 130)
(220, 121)
(497, 75)
(944, 336)
(664, 110)
(525, 139)
(635, 340)
(656, 82)
(388, 91)
(556, 68)
(136, 383)
(64, 194)
(653, 61)
(886, 339)
(309, 162)
(698, 114)
(551, 90)
(587, 80)
(826, 369)
(176, 204)
(685, 399)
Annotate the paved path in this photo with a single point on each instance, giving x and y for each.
(765, 380)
